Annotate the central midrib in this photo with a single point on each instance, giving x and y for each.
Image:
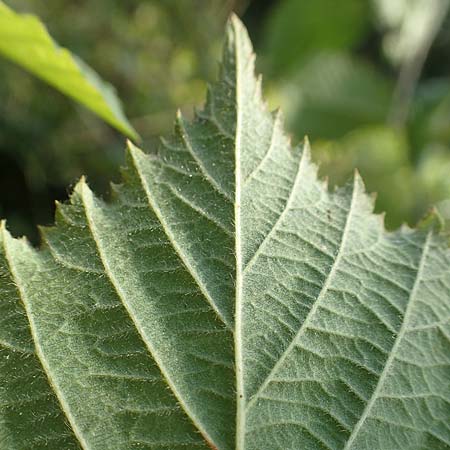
(240, 396)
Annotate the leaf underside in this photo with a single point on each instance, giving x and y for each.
(25, 40)
(225, 298)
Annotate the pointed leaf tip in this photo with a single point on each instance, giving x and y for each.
(237, 32)
(134, 150)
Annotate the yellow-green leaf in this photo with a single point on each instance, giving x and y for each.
(25, 40)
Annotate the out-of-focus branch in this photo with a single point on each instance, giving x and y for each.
(412, 67)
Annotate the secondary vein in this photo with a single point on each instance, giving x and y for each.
(87, 200)
(393, 352)
(39, 352)
(316, 304)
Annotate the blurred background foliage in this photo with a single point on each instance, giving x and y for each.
(367, 80)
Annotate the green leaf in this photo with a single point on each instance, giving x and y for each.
(334, 94)
(225, 298)
(25, 40)
(296, 30)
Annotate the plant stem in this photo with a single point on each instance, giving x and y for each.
(412, 67)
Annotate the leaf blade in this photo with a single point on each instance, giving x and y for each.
(25, 41)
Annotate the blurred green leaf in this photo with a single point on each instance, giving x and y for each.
(433, 170)
(334, 94)
(298, 28)
(25, 40)
(429, 119)
(437, 122)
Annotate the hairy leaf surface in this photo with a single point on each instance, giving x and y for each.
(225, 298)
(25, 40)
